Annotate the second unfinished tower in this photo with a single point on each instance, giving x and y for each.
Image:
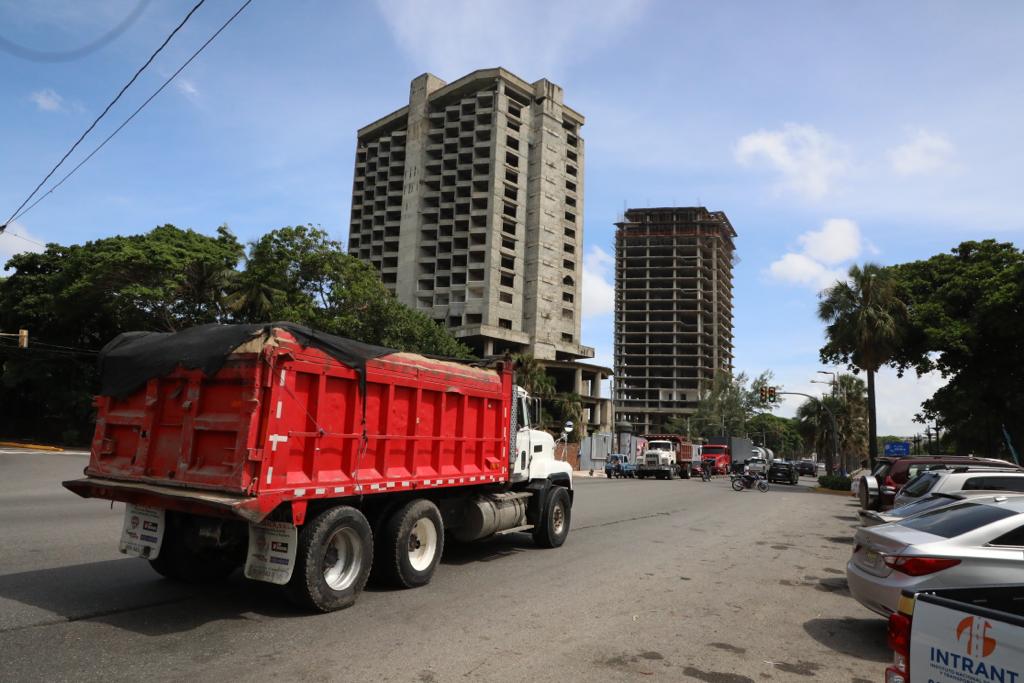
(673, 311)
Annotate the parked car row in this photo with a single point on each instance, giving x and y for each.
(933, 523)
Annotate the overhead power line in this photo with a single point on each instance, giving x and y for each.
(134, 114)
(103, 113)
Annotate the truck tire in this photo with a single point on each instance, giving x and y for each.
(332, 561)
(686, 473)
(671, 473)
(181, 559)
(553, 526)
(410, 547)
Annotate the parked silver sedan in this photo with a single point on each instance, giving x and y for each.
(917, 506)
(971, 543)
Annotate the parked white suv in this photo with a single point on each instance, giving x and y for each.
(961, 479)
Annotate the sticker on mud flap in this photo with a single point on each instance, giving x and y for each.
(271, 552)
(143, 531)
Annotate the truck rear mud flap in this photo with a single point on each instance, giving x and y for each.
(251, 509)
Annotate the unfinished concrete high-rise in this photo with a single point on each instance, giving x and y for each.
(673, 311)
(469, 201)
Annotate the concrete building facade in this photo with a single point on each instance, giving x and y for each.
(673, 311)
(469, 201)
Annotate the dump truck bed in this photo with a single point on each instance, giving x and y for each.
(282, 421)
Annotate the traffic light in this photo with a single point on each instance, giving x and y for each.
(764, 394)
(22, 339)
(771, 394)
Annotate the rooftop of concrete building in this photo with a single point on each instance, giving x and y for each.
(468, 83)
(674, 214)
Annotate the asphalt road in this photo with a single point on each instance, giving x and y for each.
(668, 580)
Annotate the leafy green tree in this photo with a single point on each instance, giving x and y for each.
(866, 321)
(80, 297)
(848, 404)
(725, 408)
(299, 274)
(777, 433)
(967, 322)
(530, 375)
(569, 407)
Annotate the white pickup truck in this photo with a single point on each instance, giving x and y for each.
(958, 635)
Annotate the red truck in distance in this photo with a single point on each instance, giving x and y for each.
(311, 460)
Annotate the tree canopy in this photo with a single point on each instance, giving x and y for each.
(76, 298)
(867, 322)
(725, 408)
(967, 321)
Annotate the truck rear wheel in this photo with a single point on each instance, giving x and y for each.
(553, 526)
(410, 548)
(333, 560)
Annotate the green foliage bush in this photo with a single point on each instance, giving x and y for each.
(836, 482)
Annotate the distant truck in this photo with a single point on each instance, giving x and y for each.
(729, 452)
(306, 458)
(686, 455)
(660, 460)
(958, 635)
(619, 466)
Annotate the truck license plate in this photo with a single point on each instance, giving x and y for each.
(271, 556)
(143, 531)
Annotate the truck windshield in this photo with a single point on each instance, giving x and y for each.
(659, 446)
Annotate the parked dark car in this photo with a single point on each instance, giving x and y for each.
(783, 471)
(808, 467)
(877, 490)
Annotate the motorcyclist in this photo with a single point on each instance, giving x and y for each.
(707, 467)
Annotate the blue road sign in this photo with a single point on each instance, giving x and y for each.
(897, 448)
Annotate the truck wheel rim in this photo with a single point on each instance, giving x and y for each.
(422, 544)
(343, 559)
(558, 519)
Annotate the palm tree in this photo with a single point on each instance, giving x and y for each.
(866, 320)
(530, 375)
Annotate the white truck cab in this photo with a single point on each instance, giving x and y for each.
(535, 448)
(659, 460)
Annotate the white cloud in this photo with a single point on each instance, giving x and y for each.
(925, 153)
(808, 160)
(186, 87)
(47, 99)
(533, 39)
(800, 269)
(838, 241)
(15, 240)
(598, 287)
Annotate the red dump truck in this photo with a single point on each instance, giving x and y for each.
(310, 459)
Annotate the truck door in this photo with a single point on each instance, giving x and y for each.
(524, 450)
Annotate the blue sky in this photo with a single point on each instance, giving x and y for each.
(830, 133)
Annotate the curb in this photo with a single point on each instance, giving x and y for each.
(31, 446)
(831, 492)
